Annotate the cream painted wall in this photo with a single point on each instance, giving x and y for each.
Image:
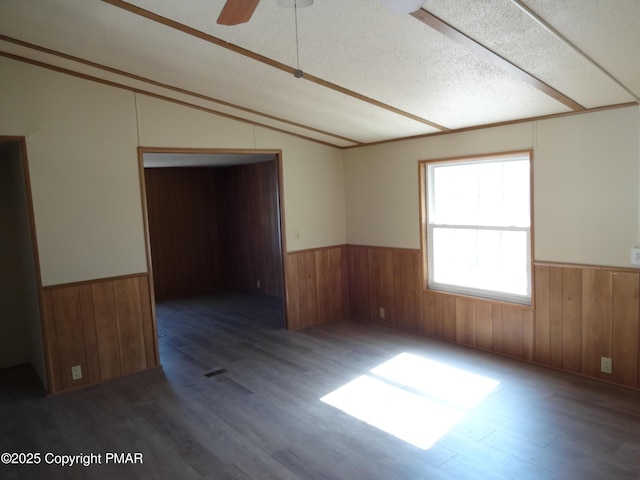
(314, 190)
(166, 124)
(81, 145)
(313, 176)
(585, 184)
(586, 187)
(382, 181)
(82, 140)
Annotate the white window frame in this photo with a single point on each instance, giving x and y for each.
(428, 227)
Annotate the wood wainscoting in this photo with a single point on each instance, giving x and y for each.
(585, 313)
(582, 313)
(105, 326)
(316, 290)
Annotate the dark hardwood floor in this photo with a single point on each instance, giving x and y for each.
(258, 413)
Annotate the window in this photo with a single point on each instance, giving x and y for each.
(477, 221)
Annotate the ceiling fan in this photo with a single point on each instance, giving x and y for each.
(236, 12)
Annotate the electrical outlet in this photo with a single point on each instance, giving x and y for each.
(76, 372)
(258, 283)
(635, 256)
(381, 312)
(605, 365)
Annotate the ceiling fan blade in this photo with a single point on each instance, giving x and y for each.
(236, 12)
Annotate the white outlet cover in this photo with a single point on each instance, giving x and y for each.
(76, 372)
(605, 365)
(635, 256)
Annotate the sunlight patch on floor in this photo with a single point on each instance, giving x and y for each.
(413, 398)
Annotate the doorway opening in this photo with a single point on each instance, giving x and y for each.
(214, 227)
(22, 357)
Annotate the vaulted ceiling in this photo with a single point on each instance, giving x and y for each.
(370, 74)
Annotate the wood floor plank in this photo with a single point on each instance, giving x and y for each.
(551, 459)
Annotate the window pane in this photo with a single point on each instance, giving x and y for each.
(478, 232)
(455, 200)
(516, 195)
(492, 260)
(492, 193)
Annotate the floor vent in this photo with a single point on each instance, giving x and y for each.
(215, 372)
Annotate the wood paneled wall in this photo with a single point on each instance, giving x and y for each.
(385, 278)
(581, 313)
(478, 323)
(105, 326)
(316, 286)
(250, 228)
(215, 228)
(182, 208)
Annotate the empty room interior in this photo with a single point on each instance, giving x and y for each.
(296, 239)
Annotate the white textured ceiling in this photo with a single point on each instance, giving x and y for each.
(370, 74)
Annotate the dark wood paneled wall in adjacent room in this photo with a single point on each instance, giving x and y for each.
(215, 228)
(250, 228)
(582, 313)
(183, 217)
(104, 326)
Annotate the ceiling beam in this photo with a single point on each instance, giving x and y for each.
(149, 93)
(265, 60)
(489, 55)
(544, 24)
(172, 88)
